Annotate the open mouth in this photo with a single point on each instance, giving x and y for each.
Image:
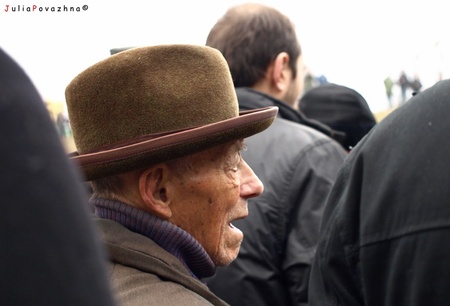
(231, 224)
(236, 232)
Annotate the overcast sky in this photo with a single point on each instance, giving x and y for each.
(353, 43)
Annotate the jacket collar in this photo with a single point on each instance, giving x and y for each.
(250, 99)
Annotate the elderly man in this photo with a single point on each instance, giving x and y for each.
(159, 134)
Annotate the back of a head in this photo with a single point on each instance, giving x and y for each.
(341, 108)
(250, 36)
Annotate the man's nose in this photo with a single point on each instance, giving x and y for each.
(251, 186)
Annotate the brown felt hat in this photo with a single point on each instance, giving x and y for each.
(152, 104)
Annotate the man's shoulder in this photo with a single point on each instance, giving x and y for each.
(293, 131)
(143, 273)
(251, 99)
(290, 141)
(136, 287)
(139, 249)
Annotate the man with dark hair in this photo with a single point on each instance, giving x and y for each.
(297, 163)
(264, 50)
(159, 134)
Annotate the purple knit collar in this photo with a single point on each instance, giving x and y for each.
(168, 236)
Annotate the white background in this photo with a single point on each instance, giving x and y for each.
(353, 43)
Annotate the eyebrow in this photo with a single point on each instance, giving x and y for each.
(235, 147)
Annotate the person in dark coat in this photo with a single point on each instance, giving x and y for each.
(340, 107)
(296, 162)
(159, 135)
(404, 83)
(50, 252)
(384, 234)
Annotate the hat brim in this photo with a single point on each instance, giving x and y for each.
(153, 149)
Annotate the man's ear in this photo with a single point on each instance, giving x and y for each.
(281, 74)
(153, 189)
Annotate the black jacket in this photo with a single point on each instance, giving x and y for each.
(255, 99)
(297, 166)
(386, 227)
(50, 251)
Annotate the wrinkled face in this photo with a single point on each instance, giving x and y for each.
(211, 195)
(295, 89)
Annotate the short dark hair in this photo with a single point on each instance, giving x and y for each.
(250, 36)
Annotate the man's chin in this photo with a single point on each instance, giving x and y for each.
(228, 255)
(227, 259)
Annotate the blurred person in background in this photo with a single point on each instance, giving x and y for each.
(340, 107)
(403, 82)
(389, 86)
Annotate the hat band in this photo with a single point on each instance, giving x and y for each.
(173, 138)
(129, 142)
